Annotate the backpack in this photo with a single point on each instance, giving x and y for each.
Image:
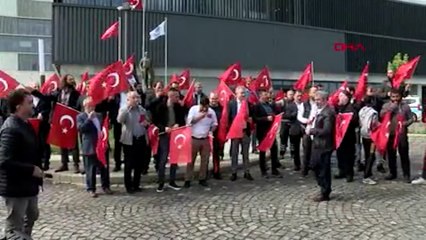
(367, 116)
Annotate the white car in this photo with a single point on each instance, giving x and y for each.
(415, 105)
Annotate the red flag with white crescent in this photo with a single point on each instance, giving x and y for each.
(35, 124)
(224, 93)
(109, 82)
(111, 31)
(180, 145)
(361, 88)
(333, 100)
(342, 123)
(63, 130)
(263, 80)
(232, 75)
(136, 4)
(304, 79)
(269, 139)
(51, 84)
(183, 80)
(239, 123)
(102, 143)
(153, 137)
(7, 84)
(380, 135)
(82, 85)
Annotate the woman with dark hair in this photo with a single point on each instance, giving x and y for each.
(68, 96)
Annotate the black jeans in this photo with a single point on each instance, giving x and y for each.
(134, 157)
(75, 155)
(162, 159)
(346, 158)
(323, 172)
(45, 147)
(284, 135)
(295, 149)
(91, 165)
(370, 156)
(274, 158)
(307, 150)
(117, 145)
(403, 150)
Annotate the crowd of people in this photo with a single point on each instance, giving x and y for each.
(308, 125)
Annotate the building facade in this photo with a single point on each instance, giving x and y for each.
(22, 23)
(209, 35)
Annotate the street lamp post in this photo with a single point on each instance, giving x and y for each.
(123, 24)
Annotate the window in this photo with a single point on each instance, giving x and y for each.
(23, 44)
(29, 62)
(106, 3)
(24, 26)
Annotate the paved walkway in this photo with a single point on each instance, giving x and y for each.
(262, 209)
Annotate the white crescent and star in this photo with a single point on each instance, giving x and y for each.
(116, 79)
(179, 136)
(131, 67)
(54, 85)
(236, 75)
(182, 81)
(154, 131)
(62, 119)
(6, 86)
(265, 82)
(104, 134)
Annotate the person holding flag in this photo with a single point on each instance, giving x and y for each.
(89, 125)
(264, 116)
(346, 149)
(401, 119)
(217, 150)
(134, 139)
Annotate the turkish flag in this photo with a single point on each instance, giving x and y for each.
(109, 82)
(263, 80)
(342, 123)
(35, 123)
(223, 124)
(63, 130)
(380, 135)
(189, 96)
(232, 75)
(180, 145)
(129, 70)
(280, 95)
(153, 137)
(81, 86)
(304, 79)
(269, 139)
(239, 123)
(333, 100)
(361, 88)
(405, 71)
(136, 4)
(112, 31)
(7, 83)
(224, 93)
(182, 80)
(51, 84)
(102, 143)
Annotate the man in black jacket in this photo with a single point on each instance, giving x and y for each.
(295, 131)
(264, 116)
(346, 152)
(322, 133)
(166, 114)
(68, 96)
(20, 171)
(217, 151)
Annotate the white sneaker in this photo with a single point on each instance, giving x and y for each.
(369, 181)
(419, 180)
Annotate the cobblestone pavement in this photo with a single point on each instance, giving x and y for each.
(262, 209)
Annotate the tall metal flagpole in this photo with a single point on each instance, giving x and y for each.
(165, 50)
(312, 69)
(119, 36)
(143, 26)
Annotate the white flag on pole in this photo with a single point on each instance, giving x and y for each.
(159, 31)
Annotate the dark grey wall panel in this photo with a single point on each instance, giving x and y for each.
(212, 42)
(379, 51)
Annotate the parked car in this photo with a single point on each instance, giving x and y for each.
(415, 105)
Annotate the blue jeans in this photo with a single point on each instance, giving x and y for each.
(163, 155)
(91, 165)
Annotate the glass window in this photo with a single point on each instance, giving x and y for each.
(25, 26)
(23, 44)
(29, 62)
